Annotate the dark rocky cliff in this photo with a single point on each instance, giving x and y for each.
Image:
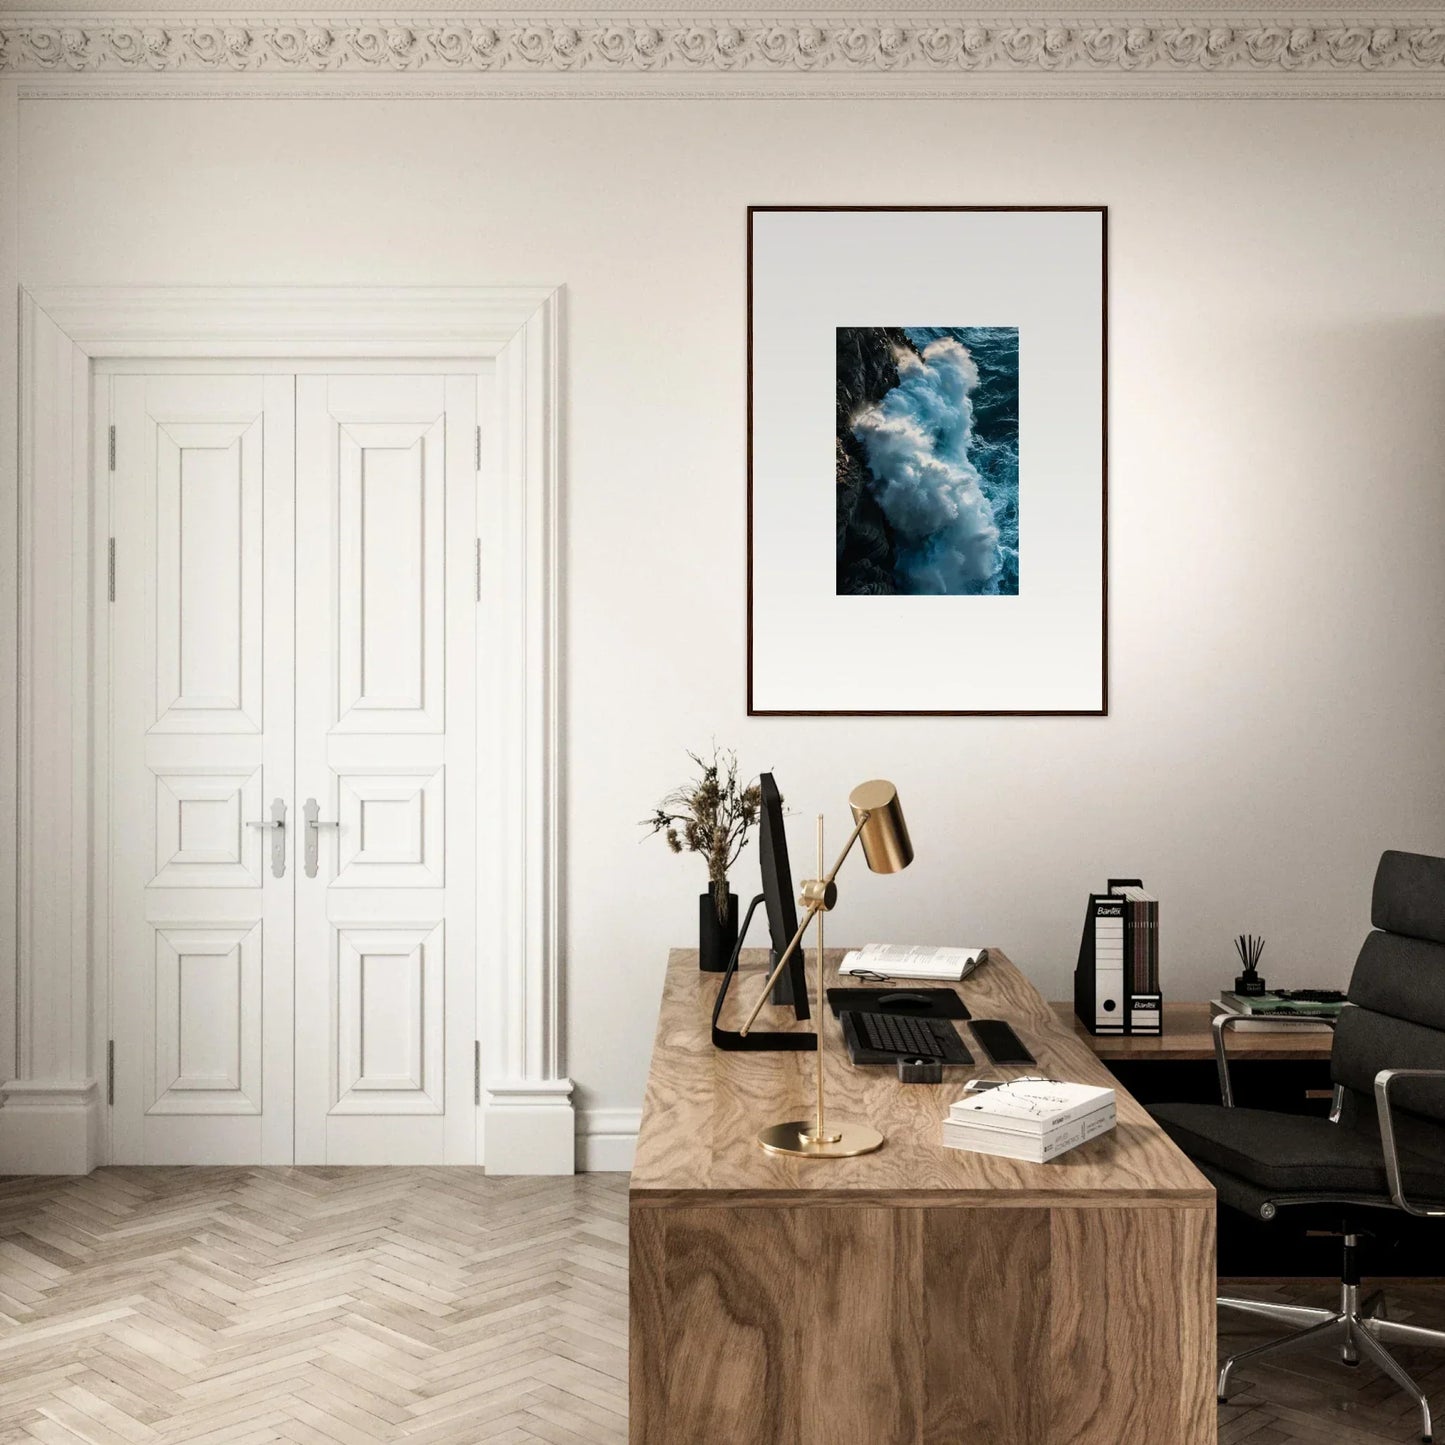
(867, 372)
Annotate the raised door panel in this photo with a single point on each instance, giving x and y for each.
(202, 828)
(391, 1002)
(392, 828)
(208, 551)
(207, 1054)
(392, 627)
(201, 743)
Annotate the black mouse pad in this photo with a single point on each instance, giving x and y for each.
(916, 1003)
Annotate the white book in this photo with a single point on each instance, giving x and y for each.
(908, 960)
(1033, 1106)
(983, 1127)
(1034, 1148)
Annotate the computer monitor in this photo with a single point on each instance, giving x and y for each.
(791, 987)
(791, 990)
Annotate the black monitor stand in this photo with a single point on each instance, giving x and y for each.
(755, 1040)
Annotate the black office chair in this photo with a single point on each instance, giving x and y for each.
(1381, 1151)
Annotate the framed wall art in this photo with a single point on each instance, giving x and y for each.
(927, 460)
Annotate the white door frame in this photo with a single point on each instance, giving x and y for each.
(53, 1109)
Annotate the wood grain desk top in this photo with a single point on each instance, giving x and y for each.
(704, 1106)
(1187, 1036)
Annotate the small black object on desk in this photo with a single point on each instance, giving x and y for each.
(921, 1003)
(1000, 1042)
(920, 1071)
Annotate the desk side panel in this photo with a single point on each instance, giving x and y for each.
(857, 1279)
(647, 1325)
(716, 1327)
(986, 1297)
(1132, 1330)
(944, 1326)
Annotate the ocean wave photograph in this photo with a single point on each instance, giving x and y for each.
(928, 461)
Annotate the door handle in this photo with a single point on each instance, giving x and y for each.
(277, 823)
(314, 824)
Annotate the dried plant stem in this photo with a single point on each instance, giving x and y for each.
(711, 816)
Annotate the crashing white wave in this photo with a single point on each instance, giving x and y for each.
(916, 441)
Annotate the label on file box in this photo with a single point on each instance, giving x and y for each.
(1144, 1017)
(1109, 966)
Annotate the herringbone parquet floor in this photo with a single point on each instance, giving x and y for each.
(349, 1306)
(325, 1306)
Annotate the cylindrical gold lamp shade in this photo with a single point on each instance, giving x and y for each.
(885, 840)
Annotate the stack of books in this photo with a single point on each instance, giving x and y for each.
(1032, 1119)
(1259, 1012)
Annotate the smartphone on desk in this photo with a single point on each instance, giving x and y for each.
(1000, 1042)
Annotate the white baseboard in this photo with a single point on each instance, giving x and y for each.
(607, 1140)
(49, 1126)
(530, 1128)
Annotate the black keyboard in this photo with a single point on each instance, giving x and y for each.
(884, 1038)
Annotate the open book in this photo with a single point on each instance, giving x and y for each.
(907, 960)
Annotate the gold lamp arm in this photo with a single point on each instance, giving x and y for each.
(819, 895)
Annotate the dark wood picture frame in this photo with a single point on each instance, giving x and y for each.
(1103, 709)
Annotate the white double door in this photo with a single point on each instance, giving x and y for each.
(292, 643)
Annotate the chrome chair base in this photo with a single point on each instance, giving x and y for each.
(1359, 1327)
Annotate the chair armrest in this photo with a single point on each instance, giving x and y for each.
(1221, 1025)
(1383, 1080)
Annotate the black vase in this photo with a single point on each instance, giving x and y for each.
(716, 937)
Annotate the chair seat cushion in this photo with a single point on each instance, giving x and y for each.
(1295, 1153)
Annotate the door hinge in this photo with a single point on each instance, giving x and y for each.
(110, 1071)
(110, 569)
(479, 450)
(477, 1072)
(111, 448)
(479, 569)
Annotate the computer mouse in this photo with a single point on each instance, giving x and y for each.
(903, 1000)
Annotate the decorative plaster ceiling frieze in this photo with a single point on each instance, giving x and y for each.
(1172, 48)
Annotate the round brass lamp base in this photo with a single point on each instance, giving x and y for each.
(845, 1141)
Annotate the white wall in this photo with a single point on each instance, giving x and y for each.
(1277, 484)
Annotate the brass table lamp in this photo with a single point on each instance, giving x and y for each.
(878, 823)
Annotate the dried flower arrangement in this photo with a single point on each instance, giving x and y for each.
(712, 816)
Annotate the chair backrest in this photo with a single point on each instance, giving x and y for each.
(1398, 992)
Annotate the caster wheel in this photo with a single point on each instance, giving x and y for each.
(1353, 1364)
(1221, 1399)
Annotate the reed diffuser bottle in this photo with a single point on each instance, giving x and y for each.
(1249, 947)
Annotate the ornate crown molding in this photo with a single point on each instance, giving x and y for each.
(1172, 48)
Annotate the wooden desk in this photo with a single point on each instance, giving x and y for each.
(1187, 1037)
(918, 1294)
